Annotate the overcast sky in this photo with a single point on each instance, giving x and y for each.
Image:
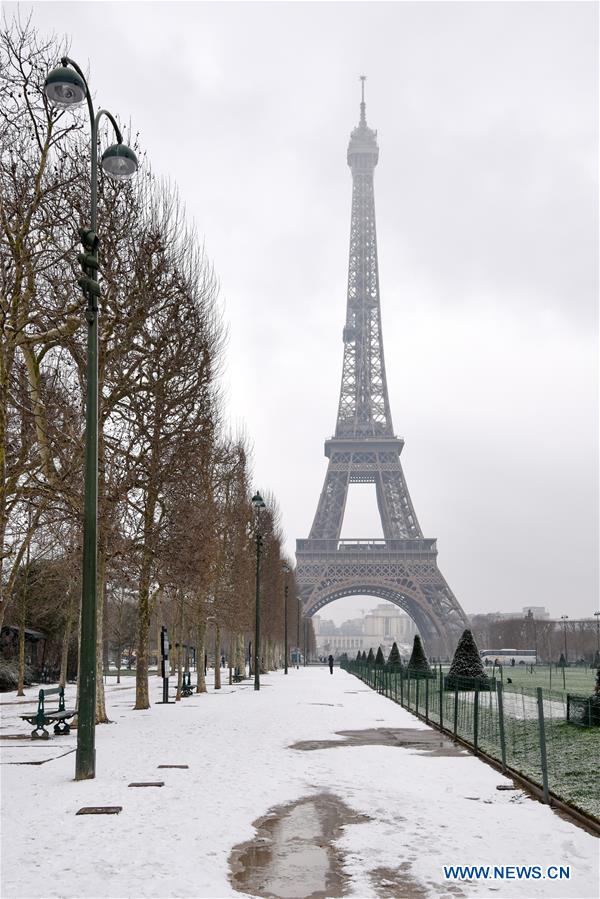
(487, 216)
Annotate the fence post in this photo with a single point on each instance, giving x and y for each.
(427, 700)
(441, 699)
(568, 707)
(402, 688)
(501, 724)
(417, 695)
(455, 711)
(543, 757)
(476, 719)
(408, 692)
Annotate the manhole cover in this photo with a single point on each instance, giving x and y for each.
(100, 810)
(155, 783)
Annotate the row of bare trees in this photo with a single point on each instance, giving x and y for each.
(548, 637)
(175, 521)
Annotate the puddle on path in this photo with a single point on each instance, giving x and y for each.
(429, 741)
(292, 856)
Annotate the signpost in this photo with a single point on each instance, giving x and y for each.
(164, 664)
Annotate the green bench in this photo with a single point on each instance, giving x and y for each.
(42, 717)
(186, 687)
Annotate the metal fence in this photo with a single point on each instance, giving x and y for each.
(527, 731)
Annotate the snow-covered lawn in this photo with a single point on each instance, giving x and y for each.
(424, 811)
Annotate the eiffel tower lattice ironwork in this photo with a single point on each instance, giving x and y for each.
(402, 567)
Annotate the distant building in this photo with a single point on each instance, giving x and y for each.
(383, 626)
(538, 612)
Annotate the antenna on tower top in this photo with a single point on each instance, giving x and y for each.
(363, 118)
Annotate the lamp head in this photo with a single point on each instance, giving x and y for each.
(258, 502)
(64, 87)
(120, 162)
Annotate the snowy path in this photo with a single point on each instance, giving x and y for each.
(425, 810)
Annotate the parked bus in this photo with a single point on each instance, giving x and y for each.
(509, 656)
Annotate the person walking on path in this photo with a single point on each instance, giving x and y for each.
(330, 660)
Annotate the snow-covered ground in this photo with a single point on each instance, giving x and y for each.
(424, 811)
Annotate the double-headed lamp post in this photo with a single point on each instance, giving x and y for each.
(66, 87)
(286, 571)
(258, 504)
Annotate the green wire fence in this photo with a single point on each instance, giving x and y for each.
(530, 731)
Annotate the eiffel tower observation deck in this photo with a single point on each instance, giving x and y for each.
(402, 567)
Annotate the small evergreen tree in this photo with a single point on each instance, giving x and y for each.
(562, 661)
(418, 665)
(359, 656)
(394, 661)
(379, 658)
(364, 656)
(597, 659)
(370, 658)
(466, 670)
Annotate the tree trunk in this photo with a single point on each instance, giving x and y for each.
(142, 700)
(217, 656)
(180, 652)
(23, 611)
(200, 650)
(22, 617)
(64, 653)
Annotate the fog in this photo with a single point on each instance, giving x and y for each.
(487, 216)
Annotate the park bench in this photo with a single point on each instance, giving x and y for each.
(186, 686)
(60, 716)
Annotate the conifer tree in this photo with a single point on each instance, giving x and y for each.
(379, 658)
(359, 656)
(394, 661)
(562, 661)
(370, 657)
(467, 665)
(418, 664)
(364, 656)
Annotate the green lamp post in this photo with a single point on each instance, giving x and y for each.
(66, 87)
(258, 504)
(564, 619)
(286, 571)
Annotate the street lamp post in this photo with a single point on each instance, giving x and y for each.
(66, 87)
(258, 504)
(564, 619)
(285, 617)
(298, 639)
(597, 615)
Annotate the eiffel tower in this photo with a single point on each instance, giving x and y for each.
(401, 568)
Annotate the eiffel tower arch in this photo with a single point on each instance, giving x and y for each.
(402, 567)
